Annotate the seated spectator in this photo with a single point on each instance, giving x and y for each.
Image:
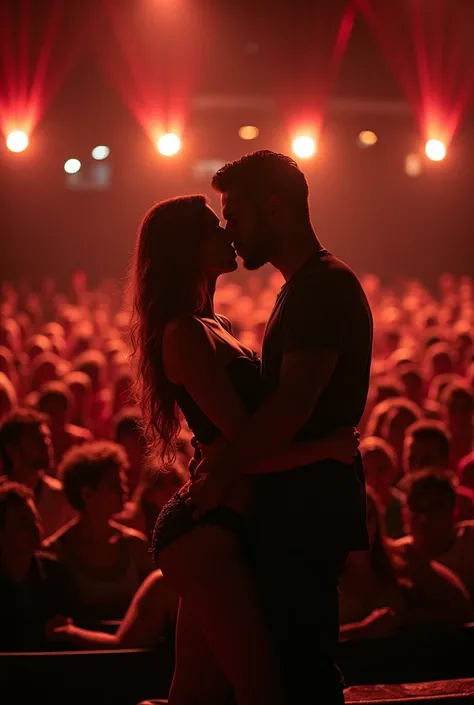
(45, 368)
(106, 562)
(98, 410)
(370, 598)
(158, 486)
(33, 585)
(439, 360)
(433, 531)
(7, 366)
(122, 391)
(8, 398)
(81, 387)
(55, 400)
(381, 473)
(150, 618)
(128, 433)
(402, 414)
(380, 595)
(427, 445)
(413, 384)
(466, 471)
(458, 403)
(37, 345)
(27, 458)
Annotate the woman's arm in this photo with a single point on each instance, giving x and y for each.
(150, 611)
(207, 382)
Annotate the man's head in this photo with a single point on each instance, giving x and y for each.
(128, 432)
(431, 507)
(55, 400)
(427, 445)
(25, 442)
(20, 525)
(94, 478)
(263, 195)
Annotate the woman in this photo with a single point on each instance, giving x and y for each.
(188, 361)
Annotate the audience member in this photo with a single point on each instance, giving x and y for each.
(433, 531)
(106, 562)
(55, 400)
(33, 585)
(27, 458)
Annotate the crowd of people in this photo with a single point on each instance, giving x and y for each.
(79, 495)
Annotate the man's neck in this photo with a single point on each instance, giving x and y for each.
(30, 477)
(295, 250)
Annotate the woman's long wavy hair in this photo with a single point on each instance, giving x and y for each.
(166, 280)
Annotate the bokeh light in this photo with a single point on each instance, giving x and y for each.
(17, 141)
(367, 138)
(248, 132)
(304, 146)
(100, 152)
(412, 165)
(169, 144)
(435, 150)
(72, 166)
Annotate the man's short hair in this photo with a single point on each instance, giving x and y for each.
(86, 466)
(11, 430)
(431, 431)
(261, 174)
(439, 486)
(374, 444)
(128, 422)
(12, 494)
(55, 391)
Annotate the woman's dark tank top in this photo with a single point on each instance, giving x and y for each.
(244, 374)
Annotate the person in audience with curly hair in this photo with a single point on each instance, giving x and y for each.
(106, 562)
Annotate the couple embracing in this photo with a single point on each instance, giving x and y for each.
(255, 543)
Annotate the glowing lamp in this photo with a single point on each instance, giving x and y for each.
(100, 152)
(304, 146)
(367, 138)
(17, 141)
(169, 144)
(72, 166)
(248, 132)
(435, 150)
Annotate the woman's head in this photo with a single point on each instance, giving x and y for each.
(180, 251)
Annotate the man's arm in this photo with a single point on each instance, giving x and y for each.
(303, 377)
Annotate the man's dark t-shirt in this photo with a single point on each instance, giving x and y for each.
(322, 307)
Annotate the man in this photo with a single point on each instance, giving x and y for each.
(427, 445)
(26, 452)
(434, 532)
(32, 584)
(315, 367)
(55, 400)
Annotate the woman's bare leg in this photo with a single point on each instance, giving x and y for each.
(198, 679)
(207, 570)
